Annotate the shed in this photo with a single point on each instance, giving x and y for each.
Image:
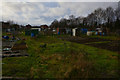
(68, 31)
(84, 31)
(34, 31)
(36, 28)
(98, 29)
(89, 33)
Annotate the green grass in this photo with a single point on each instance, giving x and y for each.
(62, 59)
(16, 66)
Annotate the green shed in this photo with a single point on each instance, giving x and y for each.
(28, 32)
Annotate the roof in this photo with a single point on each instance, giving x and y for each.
(74, 28)
(5, 25)
(44, 26)
(28, 26)
(35, 27)
(98, 28)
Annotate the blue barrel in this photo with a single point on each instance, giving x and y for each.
(32, 35)
(58, 33)
(100, 33)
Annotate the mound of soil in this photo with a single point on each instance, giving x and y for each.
(21, 46)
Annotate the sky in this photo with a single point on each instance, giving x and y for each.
(39, 13)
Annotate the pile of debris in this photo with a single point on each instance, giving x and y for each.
(18, 49)
(19, 46)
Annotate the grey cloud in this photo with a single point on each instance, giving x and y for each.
(44, 13)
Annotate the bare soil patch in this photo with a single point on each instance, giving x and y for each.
(100, 43)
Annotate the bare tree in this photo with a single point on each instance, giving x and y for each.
(109, 15)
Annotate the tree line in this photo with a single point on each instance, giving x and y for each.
(105, 18)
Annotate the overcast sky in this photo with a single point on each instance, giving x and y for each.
(38, 13)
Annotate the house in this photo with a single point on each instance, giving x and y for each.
(9, 28)
(6, 27)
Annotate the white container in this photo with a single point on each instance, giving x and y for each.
(89, 33)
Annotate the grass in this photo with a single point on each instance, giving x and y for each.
(62, 59)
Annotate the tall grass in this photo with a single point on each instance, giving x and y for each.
(61, 59)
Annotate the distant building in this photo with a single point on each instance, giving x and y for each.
(36, 28)
(6, 27)
(68, 31)
(89, 33)
(28, 26)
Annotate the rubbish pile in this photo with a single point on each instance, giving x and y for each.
(15, 50)
(19, 46)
